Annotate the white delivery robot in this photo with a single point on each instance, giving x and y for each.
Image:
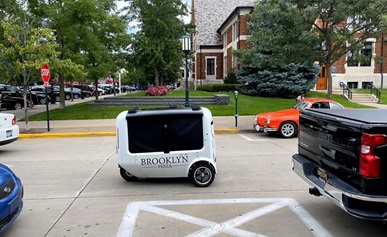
(167, 143)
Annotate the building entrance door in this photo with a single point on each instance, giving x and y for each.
(322, 80)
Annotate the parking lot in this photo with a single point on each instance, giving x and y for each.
(73, 188)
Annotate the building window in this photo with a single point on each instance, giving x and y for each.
(362, 58)
(210, 66)
(225, 66)
(352, 85)
(234, 31)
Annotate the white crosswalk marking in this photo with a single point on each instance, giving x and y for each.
(211, 228)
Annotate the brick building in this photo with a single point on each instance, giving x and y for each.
(358, 75)
(221, 27)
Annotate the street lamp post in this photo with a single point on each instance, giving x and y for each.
(186, 46)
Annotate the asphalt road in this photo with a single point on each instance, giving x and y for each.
(73, 188)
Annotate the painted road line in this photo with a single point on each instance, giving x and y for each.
(211, 228)
(251, 139)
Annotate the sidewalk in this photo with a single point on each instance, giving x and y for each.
(222, 124)
(100, 127)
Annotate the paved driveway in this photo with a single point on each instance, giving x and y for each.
(73, 188)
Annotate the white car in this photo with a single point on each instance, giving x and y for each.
(167, 143)
(9, 130)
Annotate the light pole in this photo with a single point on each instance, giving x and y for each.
(186, 46)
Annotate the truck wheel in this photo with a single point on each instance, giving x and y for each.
(127, 176)
(57, 98)
(288, 129)
(18, 106)
(202, 175)
(67, 97)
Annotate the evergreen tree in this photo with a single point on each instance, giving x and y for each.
(288, 81)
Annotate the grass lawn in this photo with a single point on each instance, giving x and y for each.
(247, 105)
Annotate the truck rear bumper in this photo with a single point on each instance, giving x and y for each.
(344, 195)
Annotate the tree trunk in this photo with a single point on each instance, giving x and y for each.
(157, 78)
(96, 89)
(62, 94)
(25, 89)
(329, 71)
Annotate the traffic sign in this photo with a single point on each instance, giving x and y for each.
(45, 73)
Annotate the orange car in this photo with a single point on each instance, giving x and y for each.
(285, 122)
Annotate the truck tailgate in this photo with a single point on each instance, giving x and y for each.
(332, 140)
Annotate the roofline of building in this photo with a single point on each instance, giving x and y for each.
(236, 10)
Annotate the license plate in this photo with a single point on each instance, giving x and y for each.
(322, 174)
(9, 134)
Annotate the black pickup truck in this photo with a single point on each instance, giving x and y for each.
(342, 154)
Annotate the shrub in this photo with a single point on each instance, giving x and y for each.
(157, 91)
(286, 82)
(218, 87)
(231, 78)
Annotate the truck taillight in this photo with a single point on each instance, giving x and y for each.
(370, 164)
(14, 120)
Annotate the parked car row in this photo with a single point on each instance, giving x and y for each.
(12, 96)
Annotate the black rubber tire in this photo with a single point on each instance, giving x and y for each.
(17, 106)
(42, 101)
(288, 129)
(57, 98)
(76, 96)
(202, 175)
(67, 97)
(127, 176)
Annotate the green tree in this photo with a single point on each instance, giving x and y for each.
(156, 47)
(231, 77)
(285, 31)
(27, 50)
(89, 32)
(287, 81)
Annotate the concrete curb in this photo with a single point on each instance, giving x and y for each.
(56, 135)
(228, 130)
(100, 134)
